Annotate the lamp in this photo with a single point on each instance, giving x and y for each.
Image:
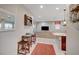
(64, 22)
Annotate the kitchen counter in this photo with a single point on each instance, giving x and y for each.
(59, 34)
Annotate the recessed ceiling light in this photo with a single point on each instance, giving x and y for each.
(57, 8)
(41, 6)
(39, 16)
(8, 16)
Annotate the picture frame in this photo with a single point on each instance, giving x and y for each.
(27, 20)
(74, 13)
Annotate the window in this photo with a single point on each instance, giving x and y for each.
(8, 26)
(7, 20)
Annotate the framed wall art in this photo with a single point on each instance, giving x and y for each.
(27, 20)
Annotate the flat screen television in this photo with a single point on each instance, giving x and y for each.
(45, 28)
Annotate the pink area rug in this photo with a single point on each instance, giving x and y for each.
(43, 49)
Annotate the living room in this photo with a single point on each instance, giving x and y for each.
(48, 24)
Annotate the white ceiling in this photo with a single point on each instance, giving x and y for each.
(48, 12)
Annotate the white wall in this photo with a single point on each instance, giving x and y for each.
(72, 35)
(73, 39)
(9, 39)
(51, 26)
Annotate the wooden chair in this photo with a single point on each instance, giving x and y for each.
(34, 38)
(23, 47)
(27, 38)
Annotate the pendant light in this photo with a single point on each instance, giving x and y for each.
(64, 22)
